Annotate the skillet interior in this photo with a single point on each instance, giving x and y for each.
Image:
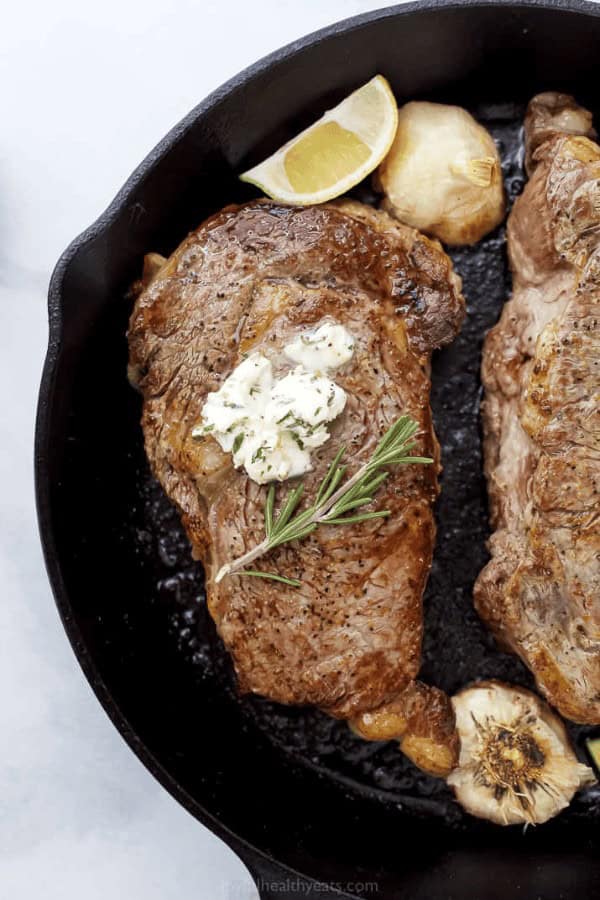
(291, 782)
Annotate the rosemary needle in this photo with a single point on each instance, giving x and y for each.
(334, 499)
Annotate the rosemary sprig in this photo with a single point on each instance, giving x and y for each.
(334, 500)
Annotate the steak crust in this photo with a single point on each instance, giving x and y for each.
(249, 279)
(540, 592)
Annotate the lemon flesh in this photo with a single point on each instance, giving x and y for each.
(335, 153)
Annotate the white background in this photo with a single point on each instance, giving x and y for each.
(86, 90)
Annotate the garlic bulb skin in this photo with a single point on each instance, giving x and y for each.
(516, 764)
(442, 174)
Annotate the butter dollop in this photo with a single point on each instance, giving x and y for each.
(270, 424)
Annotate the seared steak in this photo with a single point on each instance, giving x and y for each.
(541, 370)
(252, 278)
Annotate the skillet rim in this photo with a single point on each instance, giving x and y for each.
(250, 854)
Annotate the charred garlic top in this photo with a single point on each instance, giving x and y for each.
(516, 763)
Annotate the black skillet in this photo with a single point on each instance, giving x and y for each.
(291, 791)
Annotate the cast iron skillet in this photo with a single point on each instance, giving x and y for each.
(290, 790)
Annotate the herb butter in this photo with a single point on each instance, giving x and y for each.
(270, 424)
(329, 347)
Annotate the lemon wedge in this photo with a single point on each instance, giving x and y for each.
(334, 154)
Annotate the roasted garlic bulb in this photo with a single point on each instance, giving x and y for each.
(516, 763)
(442, 174)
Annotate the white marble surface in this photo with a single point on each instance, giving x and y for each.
(87, 90)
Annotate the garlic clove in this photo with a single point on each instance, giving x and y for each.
(421, 719)
(516, 763)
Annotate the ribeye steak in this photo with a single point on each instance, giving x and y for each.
(251, 278)
(541, 371)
